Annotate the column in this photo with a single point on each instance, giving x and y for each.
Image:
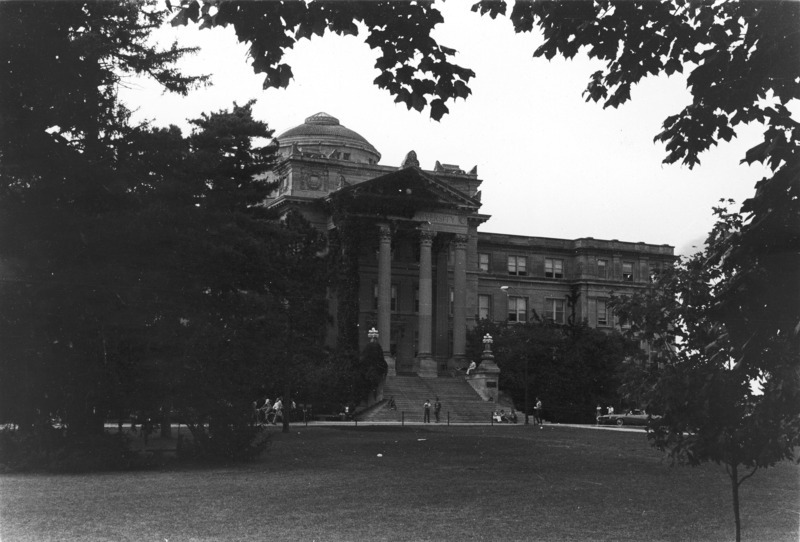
(385, 290)
(460, 300)
(427, 364)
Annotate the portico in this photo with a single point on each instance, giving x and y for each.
(422, 231)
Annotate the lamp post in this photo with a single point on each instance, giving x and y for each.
(487, 344)
(505, 290)
(373, 335)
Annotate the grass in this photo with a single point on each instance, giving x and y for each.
(431, 483)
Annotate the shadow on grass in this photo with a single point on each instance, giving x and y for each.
(412, 483)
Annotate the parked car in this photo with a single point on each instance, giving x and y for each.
(632, 417)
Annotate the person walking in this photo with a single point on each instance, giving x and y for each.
(426, 416)
(437, 407)
(538, 411)
(278, 408)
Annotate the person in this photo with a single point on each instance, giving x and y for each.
(610, 409)
(538, 411)
(437, 407)
(599, 411)
(265, 408)
(278, 408)
(392, 404)
(512, 416)
(471, 368)
(426, 418)
(496, 417)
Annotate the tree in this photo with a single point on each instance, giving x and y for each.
(571, 367)
(140, 272)
(413, 66)
(60, 199)
(715, 406)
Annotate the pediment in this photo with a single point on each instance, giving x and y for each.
(403, 193)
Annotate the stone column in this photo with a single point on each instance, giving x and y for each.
(385, 290)
(460, 300)
(427, 365)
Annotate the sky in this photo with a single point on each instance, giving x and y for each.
(552, 164)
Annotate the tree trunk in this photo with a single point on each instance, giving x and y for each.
(287, 405)
(734, 474)
(166, 423)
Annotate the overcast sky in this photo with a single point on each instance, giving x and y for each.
(552, 164)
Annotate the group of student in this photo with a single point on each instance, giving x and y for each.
(505, 417)
(426, 410)
(269, 412)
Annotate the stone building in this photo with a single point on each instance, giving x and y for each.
(425, 272)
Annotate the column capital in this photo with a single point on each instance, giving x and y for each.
(461, 240)
(426, 236)
(385, 232)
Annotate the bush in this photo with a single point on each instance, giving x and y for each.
(55, 450)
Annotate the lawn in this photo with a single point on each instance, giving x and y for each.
(430, 483)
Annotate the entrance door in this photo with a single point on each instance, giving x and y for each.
(404, 359)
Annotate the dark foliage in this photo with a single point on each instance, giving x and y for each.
(721, 402)
(49, 449)
(412, 65)
(570, 368)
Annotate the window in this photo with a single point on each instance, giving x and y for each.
(602, 266)
(554, 310)
(553, 268)
(392, 303)
(627, 271)
(483, 261)
(517, 265)
(517, 309)
(602, 312)
(484, 307)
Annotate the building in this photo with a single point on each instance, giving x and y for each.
(422, 273)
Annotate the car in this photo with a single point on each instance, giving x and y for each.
(632, 417)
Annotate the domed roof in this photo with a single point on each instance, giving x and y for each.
(324, 129)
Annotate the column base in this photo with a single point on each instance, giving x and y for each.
(427, 367)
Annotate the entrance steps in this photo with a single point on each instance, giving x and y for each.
(458, 398)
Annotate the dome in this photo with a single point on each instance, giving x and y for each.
(322, 134)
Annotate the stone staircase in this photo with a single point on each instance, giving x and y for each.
(410, 392)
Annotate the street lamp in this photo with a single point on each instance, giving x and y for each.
(487, 343)
(505, 290)
(373, 335)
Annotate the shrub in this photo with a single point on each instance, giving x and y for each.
(55, 450)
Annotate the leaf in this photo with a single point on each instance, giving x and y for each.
(180, 19)
(193, 11)
(438, 109)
